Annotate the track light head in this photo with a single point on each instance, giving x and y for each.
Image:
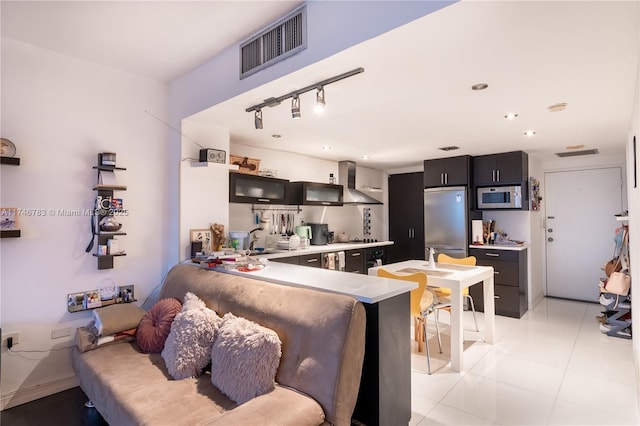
(295, 107)
(320, 103)
(258, 119)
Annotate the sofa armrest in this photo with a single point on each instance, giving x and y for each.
(282, 406)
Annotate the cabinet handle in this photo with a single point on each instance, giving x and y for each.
(441, 178)
(498, 175)
(446, 178)
(312, 260)
(356, 254)
(493, 175)
(264, 200)
(496, 272)
(325, 203)
(496, 297)
(493, 254)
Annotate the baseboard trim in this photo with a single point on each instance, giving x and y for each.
(22, 396)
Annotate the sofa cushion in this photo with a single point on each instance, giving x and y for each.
(244, 359)
(188, 347)
(117, 317)
(155, 326)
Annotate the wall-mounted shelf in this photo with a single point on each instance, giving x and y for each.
(106, 187)
(87, 300)
(12, 233)
(13, 161)
(622, 218)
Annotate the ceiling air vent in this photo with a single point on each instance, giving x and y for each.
(449, 148)
(577, 153)
(278, 41)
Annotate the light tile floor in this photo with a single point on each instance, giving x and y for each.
(551, 367)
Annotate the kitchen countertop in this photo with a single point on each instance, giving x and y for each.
(500, 247)
(275, 254)
(364, 288)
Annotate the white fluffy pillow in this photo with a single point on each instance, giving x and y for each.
(244, 359)
(188, 347)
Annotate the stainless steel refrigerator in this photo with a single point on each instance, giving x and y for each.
(445, 220)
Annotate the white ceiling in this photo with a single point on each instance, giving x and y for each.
(414, 95)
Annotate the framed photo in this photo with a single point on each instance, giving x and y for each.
(202, 235)
(8, 219)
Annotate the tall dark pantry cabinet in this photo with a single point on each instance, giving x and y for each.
(406, 216)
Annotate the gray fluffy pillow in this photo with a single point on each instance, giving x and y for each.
(188, 347)
(244, 359)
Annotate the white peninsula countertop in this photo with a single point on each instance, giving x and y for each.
(364, 288)
(326, 248)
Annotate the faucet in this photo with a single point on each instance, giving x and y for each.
(254, 237)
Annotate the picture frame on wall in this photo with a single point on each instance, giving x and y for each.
(8, 219)
(202, 235)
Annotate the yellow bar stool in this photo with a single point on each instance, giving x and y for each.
(423, 302)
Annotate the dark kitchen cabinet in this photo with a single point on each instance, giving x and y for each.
(510, 280)
(354, 261)
(501, 169)
(292, 260)
(313, 260)
(452, 171)
(315, 194)
(245, 188)
(406, 217)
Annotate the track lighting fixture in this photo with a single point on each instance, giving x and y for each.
(295, 107)
(258, 119)
(295, 97)
(320, 100)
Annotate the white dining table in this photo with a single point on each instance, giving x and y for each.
(456, 278)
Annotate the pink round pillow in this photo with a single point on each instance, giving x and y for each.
(155, 326)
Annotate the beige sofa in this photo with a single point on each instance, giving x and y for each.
(317, 381)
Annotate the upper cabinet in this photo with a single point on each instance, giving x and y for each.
(245, 188)
(315, 194)
(501, 169)
(452, 171)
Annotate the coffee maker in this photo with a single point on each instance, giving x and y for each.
(320, 234)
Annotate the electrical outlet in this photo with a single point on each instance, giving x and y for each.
(16, 339)
(60, 332)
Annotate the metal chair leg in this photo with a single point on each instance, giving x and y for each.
(426, 344)
(473, 309)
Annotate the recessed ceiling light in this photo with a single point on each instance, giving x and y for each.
(326, 147)
(511, 115)
(557, 107)
(276, 136)
(479, 86)
(529, 133)
(365, 157)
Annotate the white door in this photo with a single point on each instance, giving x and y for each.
(580, 227)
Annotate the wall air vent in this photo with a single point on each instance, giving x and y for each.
(449, 148)
(577, 153)
(278, 41)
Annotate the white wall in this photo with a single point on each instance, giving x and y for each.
(60, 112)
(331, 28)
(634, 217)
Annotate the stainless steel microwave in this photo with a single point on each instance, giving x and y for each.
(500, 197)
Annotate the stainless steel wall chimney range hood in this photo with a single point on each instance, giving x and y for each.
(347, 178)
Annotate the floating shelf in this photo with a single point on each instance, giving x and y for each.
(13, 233)
(622, 218)
(110, 188)
(14, 161)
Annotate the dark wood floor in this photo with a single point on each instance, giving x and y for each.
(64, 408)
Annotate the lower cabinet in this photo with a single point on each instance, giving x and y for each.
(354, 261)
(510, 281)
(293, 260)
(313, 260)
